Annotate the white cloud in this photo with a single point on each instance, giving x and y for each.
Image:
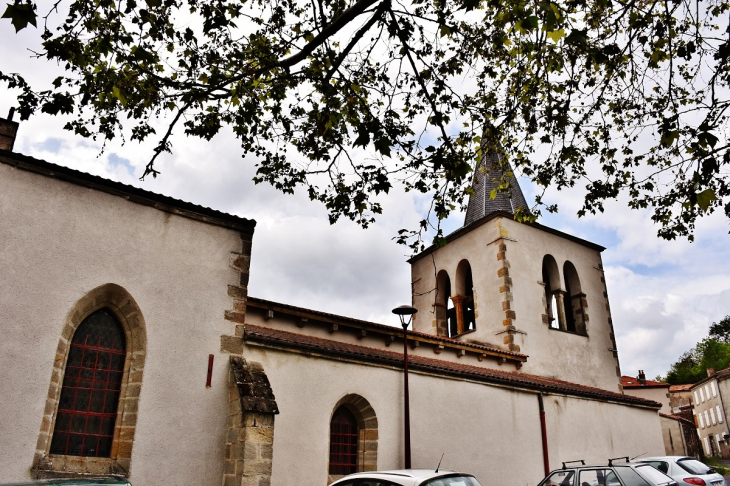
(664, 295)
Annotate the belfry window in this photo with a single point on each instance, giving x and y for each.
(87, 409)
(576, 305)
(344, 439)
(462, 318)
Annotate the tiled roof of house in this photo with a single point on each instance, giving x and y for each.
(719, 375)
(633, 382)
(131, 193)
(289, 340)
(262, 303)
(680, 388)
(677, 417)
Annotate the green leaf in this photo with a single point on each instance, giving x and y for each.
(556, 35)
(705, 198)
(20, 15)
(668, 138)
(706, 138)
(577, 37)
(383, 146)
(493, 194)
(119, 94)
(444, 30)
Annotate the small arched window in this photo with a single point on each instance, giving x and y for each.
(87, 409)
(576, 305)
(463, 299)
(344, 439)
(554, 314)
(443, 306)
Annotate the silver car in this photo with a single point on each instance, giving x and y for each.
(685, 470)
(612, 474)
(408, 477)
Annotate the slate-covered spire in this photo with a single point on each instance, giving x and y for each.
(487, 177)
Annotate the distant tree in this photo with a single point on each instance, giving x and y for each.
(692, 366)
(344, 98)
(721, 330)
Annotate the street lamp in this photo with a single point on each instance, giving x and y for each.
(405, 313)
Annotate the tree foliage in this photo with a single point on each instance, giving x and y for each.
(346, 98)
(721, 330)
(711, 352)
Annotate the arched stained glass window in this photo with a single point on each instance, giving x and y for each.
(344, 436)
(87, 410)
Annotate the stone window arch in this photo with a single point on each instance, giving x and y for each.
(463, 300)
(554, 315)
(443, 305)
(367, 433)
(576, 304)
(117, 304)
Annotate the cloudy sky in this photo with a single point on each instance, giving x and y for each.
(664, 295)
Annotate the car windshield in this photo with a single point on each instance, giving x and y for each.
(693, 466)
(452, 481)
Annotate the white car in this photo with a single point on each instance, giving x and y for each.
(408, 477)
(685, 470)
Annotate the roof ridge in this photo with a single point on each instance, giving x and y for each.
(387, 327)
(512, 378)
(95, 182)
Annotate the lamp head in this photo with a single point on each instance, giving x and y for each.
(405, 312)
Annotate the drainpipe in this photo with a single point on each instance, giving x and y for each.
(543, 430)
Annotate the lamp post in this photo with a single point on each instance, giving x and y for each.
(406, 312)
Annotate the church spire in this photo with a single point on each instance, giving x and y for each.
(487, 177)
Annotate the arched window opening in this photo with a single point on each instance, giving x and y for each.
(443, 305)
(353, 437)
(87, 409)
(576, 315)
(554, 315)
(344, 438)
(463, 300)
(550, 301)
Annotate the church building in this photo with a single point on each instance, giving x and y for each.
(132, 345)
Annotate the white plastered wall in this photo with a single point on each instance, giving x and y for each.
(490, 431)
(586, 360)
(658, 394)
(58, 241)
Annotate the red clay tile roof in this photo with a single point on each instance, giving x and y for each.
(677, 417)
(362, 353)
(679, 388)
(262, 303)
(632, 382)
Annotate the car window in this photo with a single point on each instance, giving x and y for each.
(661, 465)
(632, 478)
(598, 477)
(693, 466)
(452, 481)
(652, 475)
(560, 478)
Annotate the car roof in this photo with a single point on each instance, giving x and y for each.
(663, 458)
(405, 473)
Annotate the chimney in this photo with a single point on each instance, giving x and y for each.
(642, 377)
(710, 371)
(8, 130)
